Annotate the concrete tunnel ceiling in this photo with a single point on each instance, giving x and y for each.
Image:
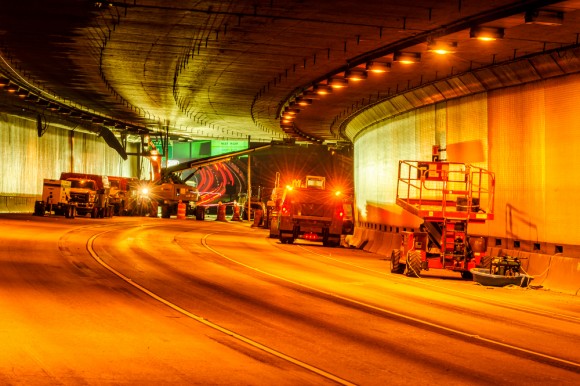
(229, 69)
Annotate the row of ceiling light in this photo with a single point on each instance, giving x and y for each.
(25, 95)
(359, 73)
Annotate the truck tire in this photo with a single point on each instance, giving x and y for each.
(414, 264)
(95, 213)
(396, 266)
(466, 275)
(39, 208)
(165, 211)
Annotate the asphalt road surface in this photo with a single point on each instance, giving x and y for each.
(149, 301)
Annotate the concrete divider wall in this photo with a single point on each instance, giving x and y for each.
(372, 238)
(17, 203)
(554, 272)
(374, 241)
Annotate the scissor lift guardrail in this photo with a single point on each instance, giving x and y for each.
(438, 191)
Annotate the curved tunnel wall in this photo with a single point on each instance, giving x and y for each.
(28, 159)
(527, 135)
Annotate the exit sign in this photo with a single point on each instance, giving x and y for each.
(159, 145)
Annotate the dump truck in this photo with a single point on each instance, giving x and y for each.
(90, 193)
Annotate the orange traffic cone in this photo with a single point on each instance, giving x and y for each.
(221, 212)
(236, 215)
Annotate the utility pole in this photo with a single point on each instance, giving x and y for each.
(249, 185)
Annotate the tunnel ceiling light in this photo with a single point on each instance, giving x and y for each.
(322, 89)
(379, 67)
(288, 116)
(309, 94)
(291, 111)
(12, 88)
(407, 57)
(544, 17)
(486, 33)
(303, 102)
(4, 81)
(356, 74)
(442, 47)
(338, 82)
(22, 93)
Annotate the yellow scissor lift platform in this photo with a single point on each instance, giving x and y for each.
(448, 196)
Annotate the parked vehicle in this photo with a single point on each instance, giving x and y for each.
(309, 211)
(56, 198)
(90, 193)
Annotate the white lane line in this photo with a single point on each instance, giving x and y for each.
(425, 284)
(561, 361)
(206, 322)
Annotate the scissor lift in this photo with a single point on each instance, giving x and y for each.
(448, 196)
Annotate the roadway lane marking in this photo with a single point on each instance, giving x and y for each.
(206, 322)
(402, 278)
(574, 366)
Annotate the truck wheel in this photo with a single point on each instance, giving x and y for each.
(466, 275)
(94, 213)
(39, 208)
(165, 211)
(396, 266)
(414, 263)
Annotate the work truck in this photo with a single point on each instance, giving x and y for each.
(311, 212)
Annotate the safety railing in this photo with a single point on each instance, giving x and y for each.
(446, 190)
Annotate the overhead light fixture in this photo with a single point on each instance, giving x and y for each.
(379, 67)
(291, 111)
(12, 88)
(338, 82)
(288, 116)
(356, 74)
(4, 81)
(544, 17)
(407, 57)
(322, 89)
(442, 47)
(22, 93)
(309, 94)
(303, 102)
(486, 33)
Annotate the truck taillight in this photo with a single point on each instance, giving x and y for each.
(340, 212)
(285, 210)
